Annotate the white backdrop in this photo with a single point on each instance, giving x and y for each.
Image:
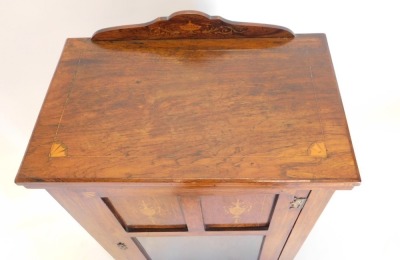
(364, 42)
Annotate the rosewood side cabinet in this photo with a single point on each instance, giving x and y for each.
(193, 137)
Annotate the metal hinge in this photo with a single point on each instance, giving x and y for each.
(297, 203)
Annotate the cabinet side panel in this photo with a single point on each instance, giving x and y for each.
(92, 214)
(313, 208)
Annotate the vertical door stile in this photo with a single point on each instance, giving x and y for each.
(192, 212)
(281, 224)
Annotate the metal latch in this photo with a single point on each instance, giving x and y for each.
(297, 203)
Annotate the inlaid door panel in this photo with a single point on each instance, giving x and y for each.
(252, 211)
(208, 223)
(147, 213)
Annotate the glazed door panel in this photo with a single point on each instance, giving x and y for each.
(202, 247)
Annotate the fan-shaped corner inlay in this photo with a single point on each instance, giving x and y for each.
(318, 149)
(58, 149)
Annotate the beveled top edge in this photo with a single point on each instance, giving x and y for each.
(190, 184)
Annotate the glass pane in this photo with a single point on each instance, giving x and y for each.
(202, 247)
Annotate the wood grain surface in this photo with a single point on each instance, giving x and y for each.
(196, 110)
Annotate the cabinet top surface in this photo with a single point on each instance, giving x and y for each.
(192, 110)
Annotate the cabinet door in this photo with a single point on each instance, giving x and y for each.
(203, 225)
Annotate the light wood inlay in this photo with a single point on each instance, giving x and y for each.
(58, 149)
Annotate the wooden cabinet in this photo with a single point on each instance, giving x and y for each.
(121, 217)
(193, 137)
